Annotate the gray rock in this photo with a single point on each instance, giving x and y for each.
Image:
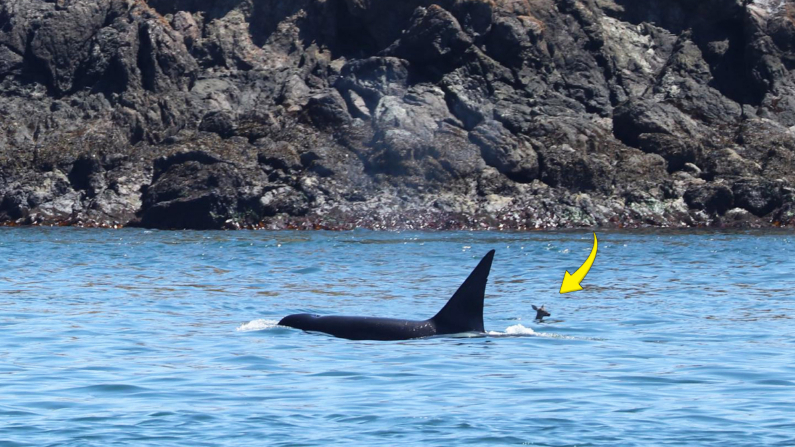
(740, 218)
(511, 156)
(199, 190)
(728, 163)
(759, 196)
(711, 197)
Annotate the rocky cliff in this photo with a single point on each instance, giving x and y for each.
(397, 114)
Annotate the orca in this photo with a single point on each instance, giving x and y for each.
(462, 313)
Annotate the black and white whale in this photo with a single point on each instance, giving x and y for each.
(462, 313)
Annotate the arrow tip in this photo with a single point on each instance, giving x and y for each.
(569, 284)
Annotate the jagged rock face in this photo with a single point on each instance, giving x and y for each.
(410, 114)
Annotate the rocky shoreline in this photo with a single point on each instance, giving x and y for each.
(452, 114)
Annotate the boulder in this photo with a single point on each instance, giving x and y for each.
(711, 197)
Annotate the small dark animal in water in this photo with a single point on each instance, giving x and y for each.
(541, 313)
(462, 313)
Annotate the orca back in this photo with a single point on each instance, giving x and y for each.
(462, 313)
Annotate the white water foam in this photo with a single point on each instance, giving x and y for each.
(516, 329)
(258, 325)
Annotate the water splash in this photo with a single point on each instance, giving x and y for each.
(515, 330)
(518, 330)
(258, 325)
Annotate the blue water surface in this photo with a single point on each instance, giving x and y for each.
(134, 337)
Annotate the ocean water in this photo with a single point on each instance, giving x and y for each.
(134, 337)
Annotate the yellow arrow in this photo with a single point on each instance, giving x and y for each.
(571, 283)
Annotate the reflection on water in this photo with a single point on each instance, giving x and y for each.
(134, 337)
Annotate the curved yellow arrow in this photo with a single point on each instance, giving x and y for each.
(571, 283)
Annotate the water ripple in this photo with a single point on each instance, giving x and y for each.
(134, 337)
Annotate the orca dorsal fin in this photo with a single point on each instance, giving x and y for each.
(464, 311)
